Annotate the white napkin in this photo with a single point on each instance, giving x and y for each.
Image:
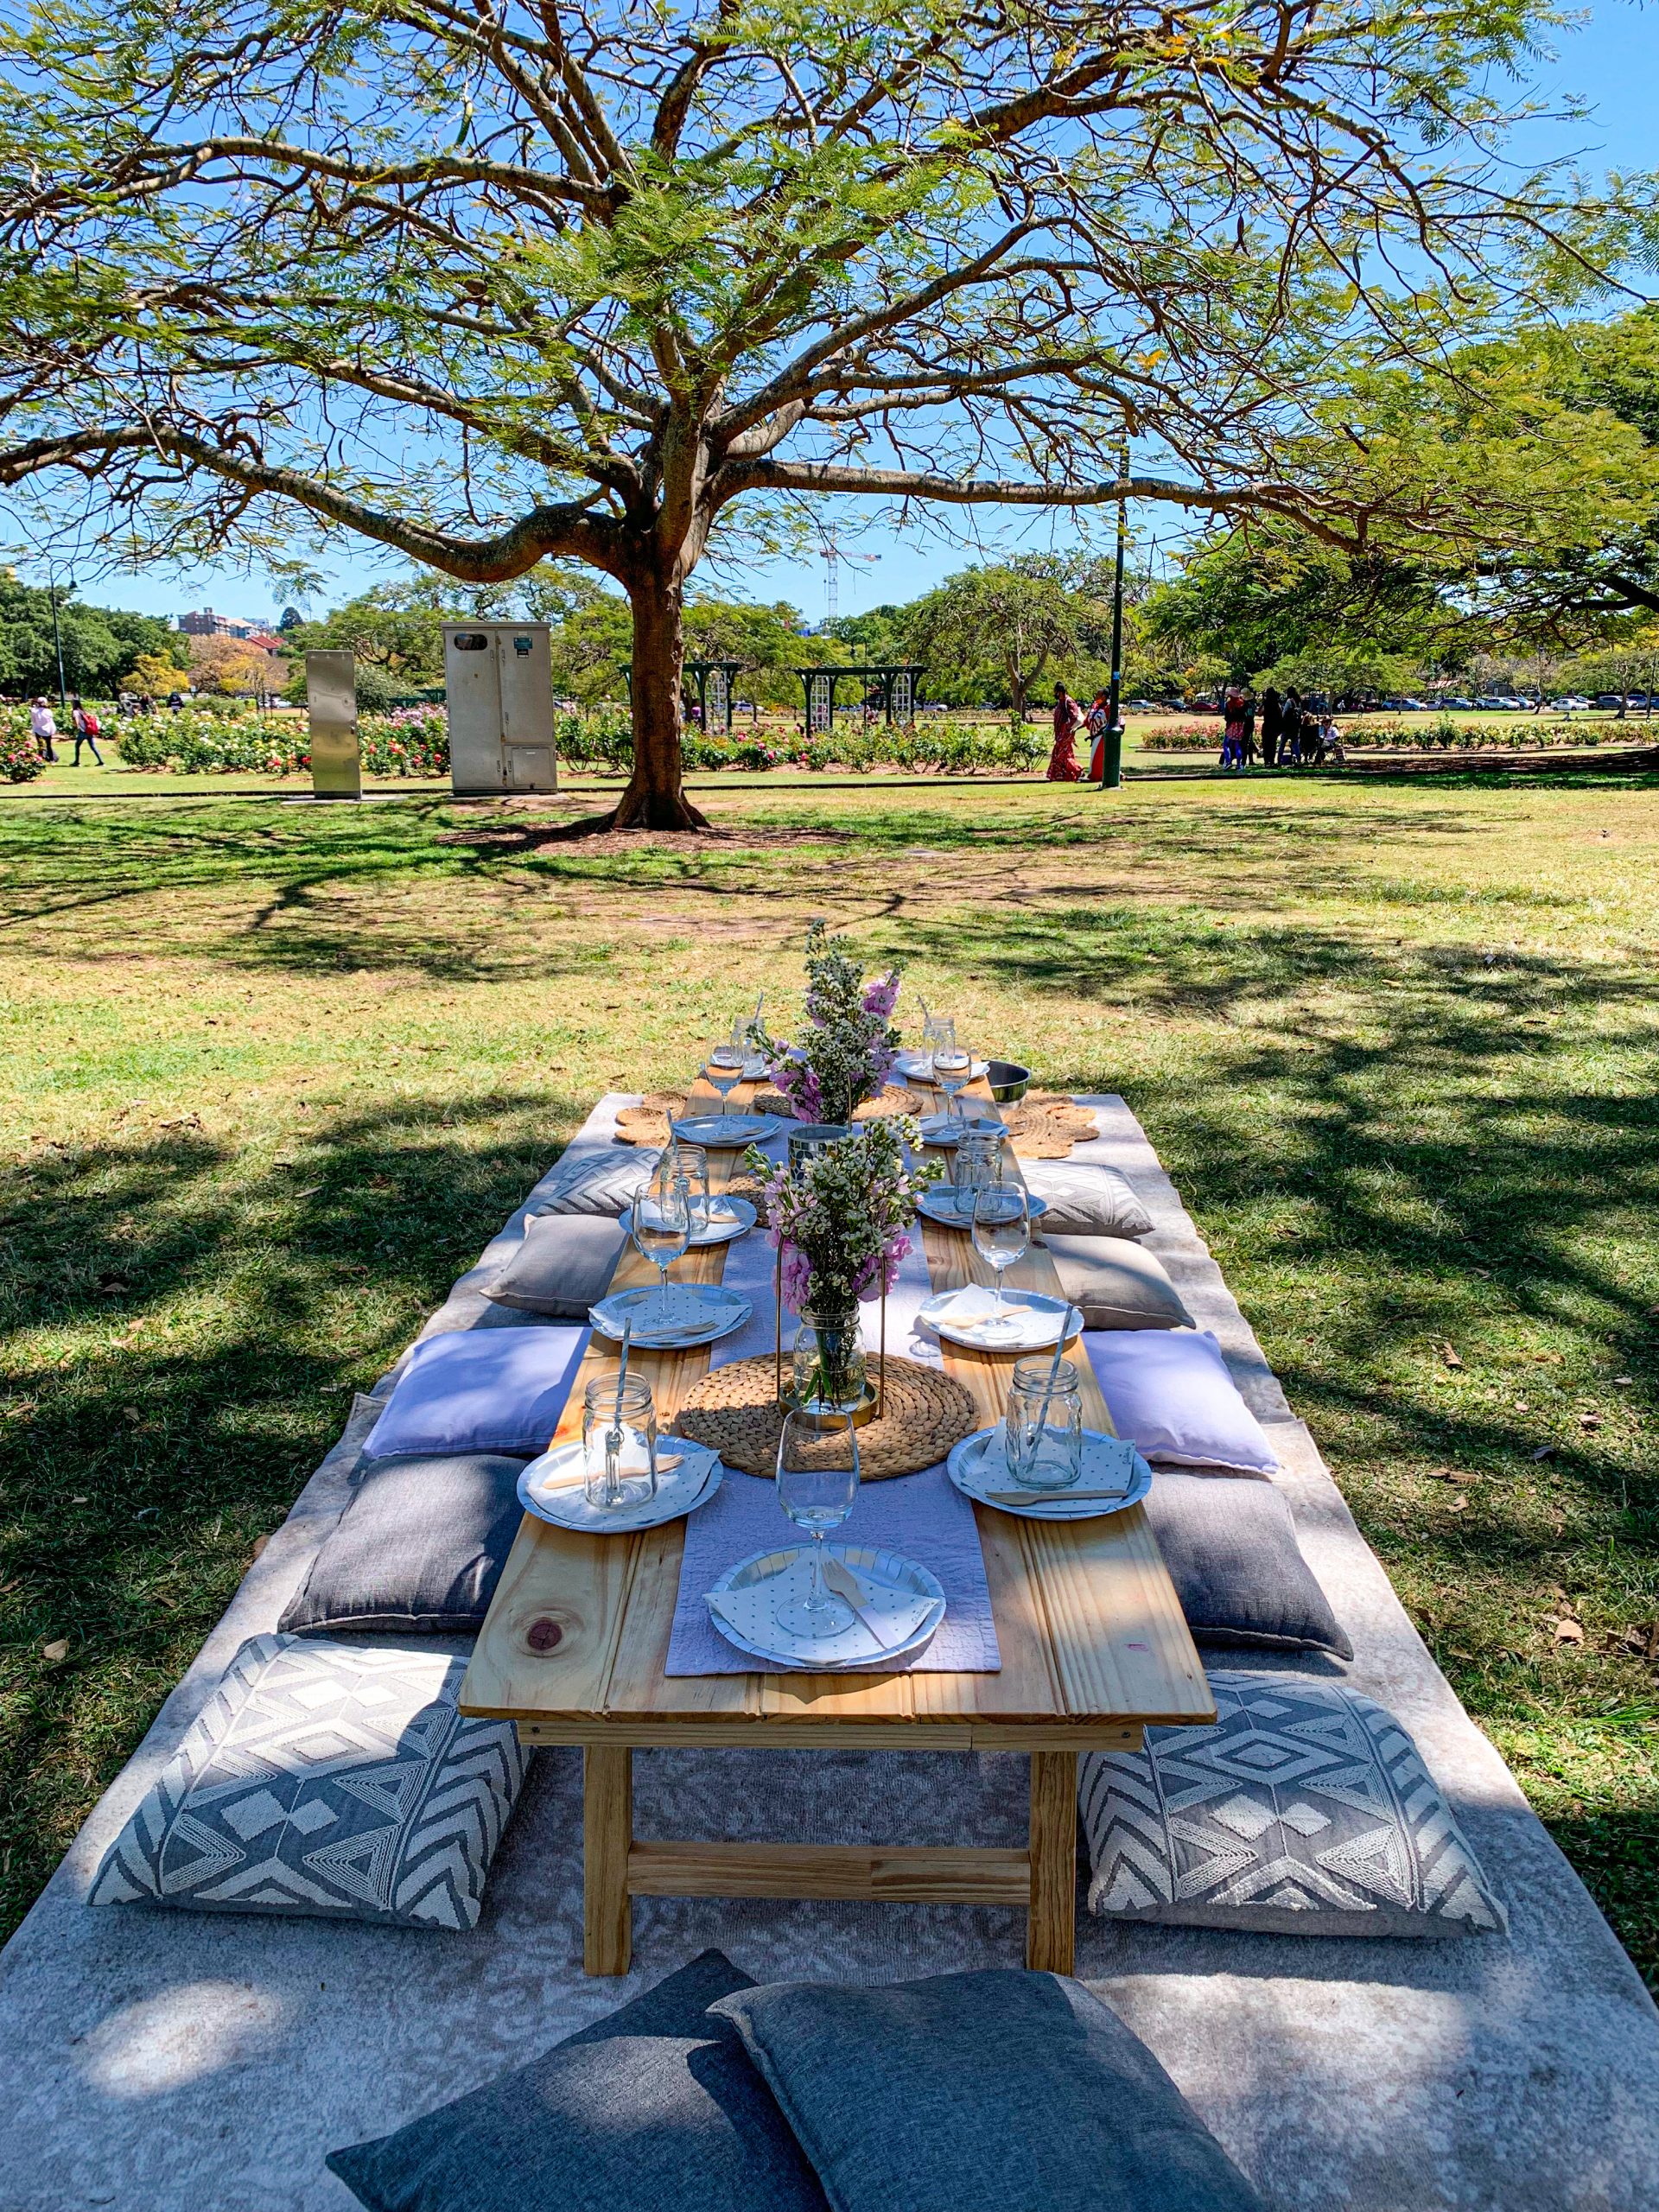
(555, 1482)
(970, 1308)
(690, 1309)
(1109, 1463)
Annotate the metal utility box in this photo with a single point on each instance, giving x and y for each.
(331, 705)
(499, 681)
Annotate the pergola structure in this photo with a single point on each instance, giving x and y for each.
(715, 681)
(893, 684)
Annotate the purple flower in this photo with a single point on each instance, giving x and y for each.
(881, 998)
(798, 1277)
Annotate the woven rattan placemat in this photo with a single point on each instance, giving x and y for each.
(735, 1409)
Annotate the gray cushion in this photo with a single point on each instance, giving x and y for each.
(989, 2091)
(1232, 1551)
(597, 1182)
(419, 1548)
(1085, 1201)
(325, 1779)
(1118, 1283)
(562, 1266)
(1305, 1810)
(657, 2106)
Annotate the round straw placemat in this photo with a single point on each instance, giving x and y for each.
(735, 1409)
(647, 1122)
(895, 1099)
(1044, 1125)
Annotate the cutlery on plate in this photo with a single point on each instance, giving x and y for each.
(1050, 1496)
(848, 1588)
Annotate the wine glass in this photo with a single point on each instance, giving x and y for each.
(953, 1066)
(1001, 1236)
(662, 1230)
(724, 1066)
(691, 1162)
(817, 1482)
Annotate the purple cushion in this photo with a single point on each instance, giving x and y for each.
(1168, 1390)
(480, 1390)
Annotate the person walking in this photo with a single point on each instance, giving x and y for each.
(1099, 721)
(1272, 714)
(1064, 766)
(88, 729)
(1232, 735)
(43, 728)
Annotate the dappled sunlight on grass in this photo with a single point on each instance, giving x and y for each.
(273, 1073)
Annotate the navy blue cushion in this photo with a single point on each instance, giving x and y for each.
(992, 2092)
(654, 2107)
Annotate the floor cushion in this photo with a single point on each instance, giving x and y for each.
(325, 1779)
(418, 1549)
(1305, 1810)
(597, 1182)
(1168, 1390)
(562, 1265)
(655, 2105)
(1085, 1201)
(988, 2091)
(1237, 1568)
(479, 1390)
(1116, 1283)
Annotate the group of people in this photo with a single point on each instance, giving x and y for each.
(84, 724)
(1071, 720)
(1288, 733)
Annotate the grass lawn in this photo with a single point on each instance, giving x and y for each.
(274, 1072)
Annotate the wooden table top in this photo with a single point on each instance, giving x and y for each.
(1093, 1639)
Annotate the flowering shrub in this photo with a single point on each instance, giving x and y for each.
(21, 759)
(848, 1047)
(1183, 737)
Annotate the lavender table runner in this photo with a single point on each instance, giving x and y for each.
(926, 1516)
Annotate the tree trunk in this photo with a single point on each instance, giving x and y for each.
(655, 796)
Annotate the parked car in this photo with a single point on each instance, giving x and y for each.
(1609, 699)
(1464, 705)
(1572, 704)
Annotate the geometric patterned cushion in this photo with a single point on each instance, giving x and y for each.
(1305, 1809)
(325, 1779)
(599, 1182)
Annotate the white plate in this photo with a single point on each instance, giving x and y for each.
(938, 1202)
(724, 1132)
(979, 1465)
(914, 1067)
(945, 1128)
(961, 1317)
(697, 1314)
(733, 1217)
(744, 1600)
(550, 1488)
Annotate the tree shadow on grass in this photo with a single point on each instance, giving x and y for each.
(178, 1345)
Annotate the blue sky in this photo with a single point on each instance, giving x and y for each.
(1611, 60)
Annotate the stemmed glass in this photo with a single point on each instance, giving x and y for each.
(662, 1230)
(953, 1065)
(1001, 1236)
(724, 1067)
(818, 1484)
(689, 1162)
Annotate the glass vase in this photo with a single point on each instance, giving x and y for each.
(829, 1371)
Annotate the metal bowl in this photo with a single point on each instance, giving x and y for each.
(1008, 1081)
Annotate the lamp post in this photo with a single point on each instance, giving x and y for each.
(57, 637)
(1111, 744)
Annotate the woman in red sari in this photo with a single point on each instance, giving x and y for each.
(1064, 766)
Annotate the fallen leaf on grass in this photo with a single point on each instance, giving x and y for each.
(1544, 1452)
(54, 1652)
(1589, 1421)
(1452, 1475)
(1569, 1631)
(132, 1414)
(1458, 1505)
(1449, 1357)
(259, 1544)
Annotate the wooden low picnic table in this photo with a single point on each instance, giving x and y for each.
(1093, 1640)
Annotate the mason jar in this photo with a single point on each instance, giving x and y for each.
(619, 1444)
(1044, 1424)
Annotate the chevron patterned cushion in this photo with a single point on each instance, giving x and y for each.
(1305, 1809)
(325, 1778)
(597, 1182)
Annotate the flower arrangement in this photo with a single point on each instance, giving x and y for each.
(847, 1051)
(841, 1222)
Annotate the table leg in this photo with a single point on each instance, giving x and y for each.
(606, 1835)
(1051, 1928)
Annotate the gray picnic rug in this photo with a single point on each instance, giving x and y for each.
(194, 2063)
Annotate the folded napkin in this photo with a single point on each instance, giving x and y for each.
(974, 1306)
(893, 1613)
(689, 1310)
(563, 1265)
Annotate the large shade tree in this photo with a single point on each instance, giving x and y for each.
(486, 283)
